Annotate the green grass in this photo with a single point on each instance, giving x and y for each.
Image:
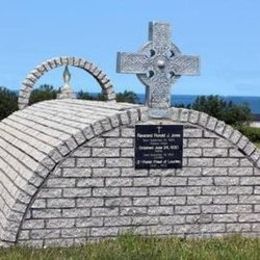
(257, 144)
(128, 247)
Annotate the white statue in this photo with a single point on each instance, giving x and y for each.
(66, 91)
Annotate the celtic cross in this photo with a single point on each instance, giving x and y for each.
(157, 65)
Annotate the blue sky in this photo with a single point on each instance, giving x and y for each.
(224, 33)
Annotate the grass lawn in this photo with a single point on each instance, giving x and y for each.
(128, 247)
(257, 144)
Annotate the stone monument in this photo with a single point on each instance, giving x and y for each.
(74, 171)
(66, 91)
(157, 65)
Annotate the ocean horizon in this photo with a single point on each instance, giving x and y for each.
(252, 102)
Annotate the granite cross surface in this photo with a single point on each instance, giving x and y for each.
(157, 65)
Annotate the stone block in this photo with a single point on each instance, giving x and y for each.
(90, 162)
(133, 211)
(200, 181)
(76, 172)
(240, 190)
(61, 182)
(113, 133)
(238, 227)
(134, 191)
(119, 142)
(194, 116)
(89, 202)
(251, 180)
(212, 122)
(127, 132)
(145, 220)
(249, 199)
(252, 217)
(173, 181)
(148, 201)
(44, 233)
(242, 142)
(105, 152)
(228, 131)
(104, 212)
(192, 133)
(214, 209)
(239, 208)
(104, 231)
(173, 200)
(226, 162)
(49, 193)
(198, 218)
(222, 143)
(82, 152)
(214, 190)
(75, 232)
(90, 222)
(200, 143)
(60, 203)
(127, 152)
(119, 162)
(245, 162)
(225, 199)
(200, 162)
(215, 152)
(203, 119)
(123, 202)
(46, 213)
(96, 142)
(76, 192)
(220, 127)
(106, 172)
(76, 213)
(60, 223)
(188, 191)
(106, 192)
(198, 200)
(161, 191)
(226, 181)
(90, 182)
(192, 152)
(33, 224)
(194, 209)
(118, 182)
(160, 210)
(117, 221)
(235, 137)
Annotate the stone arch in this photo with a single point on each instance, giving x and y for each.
(20, 195)
(50, 64)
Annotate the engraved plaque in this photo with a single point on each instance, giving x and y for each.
(158, 146)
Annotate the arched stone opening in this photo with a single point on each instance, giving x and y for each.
(40, 70)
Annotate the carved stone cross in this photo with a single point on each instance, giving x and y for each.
(157, 65)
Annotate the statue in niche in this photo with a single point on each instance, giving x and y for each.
(66, 91)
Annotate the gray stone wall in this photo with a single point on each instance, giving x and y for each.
(96, 193)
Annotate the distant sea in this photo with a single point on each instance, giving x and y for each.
(253, 102)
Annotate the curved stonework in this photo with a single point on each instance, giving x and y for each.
(67, 176)
(39, 71)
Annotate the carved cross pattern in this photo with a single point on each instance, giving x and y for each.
(158, 64)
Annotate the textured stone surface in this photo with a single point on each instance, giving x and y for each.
(158, 65)
(89, 188)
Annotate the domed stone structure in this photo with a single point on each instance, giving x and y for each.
(67, 176)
